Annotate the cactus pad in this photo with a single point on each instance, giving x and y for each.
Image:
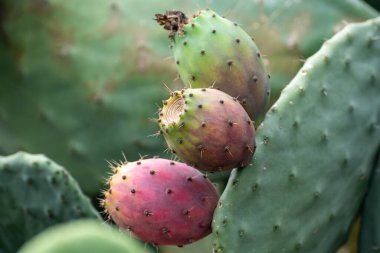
(36, 193)
(83, 236)
(314, 154)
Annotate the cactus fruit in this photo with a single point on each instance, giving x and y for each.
(161, 201)
(314, 154)
(212, 51)
(36, 193)
(83, 236)
(370, 227)
(208, 129)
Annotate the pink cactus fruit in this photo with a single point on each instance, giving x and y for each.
(208, 129)
(161, 201)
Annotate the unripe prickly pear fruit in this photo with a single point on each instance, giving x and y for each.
(211, 50)
(208, 129)
(161, 201)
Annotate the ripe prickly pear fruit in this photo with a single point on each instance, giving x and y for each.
(161, 201)
(208, 129)
(211, 50)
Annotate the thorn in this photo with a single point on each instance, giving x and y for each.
(154, 120)
(158, 133)
(142, 157)
(201, 148)
(176, 78)
(167, 87)
(212, 85)
(125, 158)
(168, 58)
(147, 213)
(227, 149)
(249, 148)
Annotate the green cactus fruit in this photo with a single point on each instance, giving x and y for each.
(370, 227)
(208, 129)
(36, 193)
(83, 236)
(314, 154)
(213, 51)
(161, 201)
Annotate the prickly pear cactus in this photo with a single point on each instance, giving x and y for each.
(83, 236)
(163, 202)
(208, 129)
(75, 71)
(36, 193)
(370, 227)
(213, 51)
(314, 154)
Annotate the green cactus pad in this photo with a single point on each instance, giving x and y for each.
(213, 51)
(36, 193)
(370, 227)
(314, 154)
(81, 237)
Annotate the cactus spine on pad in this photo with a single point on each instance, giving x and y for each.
(208, 129)
(36, 193)
(83, 236)
(309, 176)
(213, 51)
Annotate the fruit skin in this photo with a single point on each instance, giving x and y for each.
(36, 193)
(370, 227)
(83, 236)
(161, 201)
(213, 51)
(208, 129)
(309, 176)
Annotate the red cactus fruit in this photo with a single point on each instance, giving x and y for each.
(208, 129)
(161, 201)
